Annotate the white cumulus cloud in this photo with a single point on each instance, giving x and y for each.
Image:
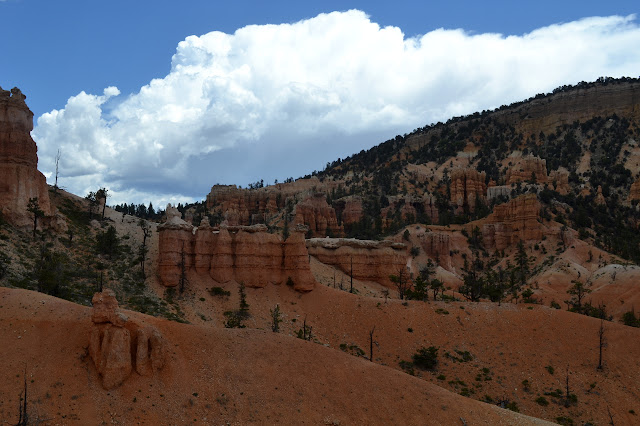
(273, 101)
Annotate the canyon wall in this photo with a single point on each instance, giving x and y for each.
(370, 260)
(315, 213)
(20, 179)
(580, 104)
(467, 186)
(519, 219)
(437, 245)
(528, 168)
(240, 253)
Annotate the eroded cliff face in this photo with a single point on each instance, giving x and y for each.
(315, 213)
(249, 206)
(528, 169)
(467, 186)
(519, 219)
(575, 105)
(241, 253)
(411, 208)
(436, 245)
(242, 206)
(634, 192)
(349, 209)
(20, 179)
(369, 260)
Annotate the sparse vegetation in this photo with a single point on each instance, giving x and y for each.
(426, 358)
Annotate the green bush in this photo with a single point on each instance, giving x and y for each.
(407, 366)
(630, 319)
(541, 400)
(107, 242)
(426, 358)
(219, 291)
(565, 421)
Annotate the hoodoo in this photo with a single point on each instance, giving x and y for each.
(20, 179)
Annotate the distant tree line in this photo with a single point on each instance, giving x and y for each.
(141, 210)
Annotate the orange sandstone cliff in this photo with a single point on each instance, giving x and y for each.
(528, 168)
(511, 222)
(467, 186)
(369, 260)
(242, 253)
(315, 213)
(20, 179)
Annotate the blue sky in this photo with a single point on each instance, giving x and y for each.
(267, 116)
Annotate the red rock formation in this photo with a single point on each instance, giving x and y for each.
(203, 249)
(175, 238)
(410, 208)
(372, 260)
(315, 213)
(511, 222)
(498, 191)
(242, 253)
(526, 169)
(351, 209)
(296, 262)
(560, 180)
(436, 245)
(467, 186)
(430, 208)
(222, 256)
(258, 257)
(634, 193)
(599, 200)
(117, 346)
(251, 206)
(241, 206)
(20, 179)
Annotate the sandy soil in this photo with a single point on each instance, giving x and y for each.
(214, 376)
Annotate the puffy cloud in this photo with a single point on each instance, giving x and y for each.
(274, 101)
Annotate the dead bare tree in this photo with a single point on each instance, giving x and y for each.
(24, 416)
(58, 155)
(102, 194)
(146, 233)
(602, 342)
(567, 400)
(351, 276)
(371, 343)
(610, 416)
(401, 281)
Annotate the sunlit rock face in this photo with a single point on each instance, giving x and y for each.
(20, 179)
(363, 259)
(248, 254)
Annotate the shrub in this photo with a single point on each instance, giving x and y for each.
(630, 319)
(541, 400)
(426, 358)
(565, 421)
(407, 367)
(219, 291)
(234, 319)
(107, 242)
(4, 264)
